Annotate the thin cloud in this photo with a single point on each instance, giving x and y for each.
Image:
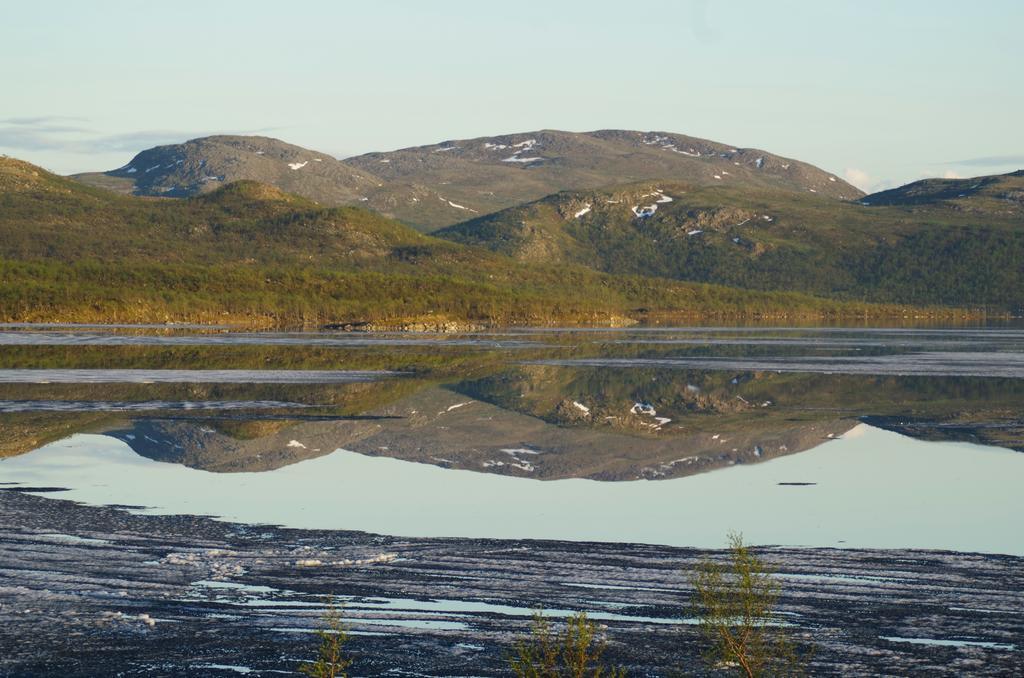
(52, 133)
(992, 161)
(47, 137)
(40, 120)
(137, 141)
(134, 141)
(37, 133)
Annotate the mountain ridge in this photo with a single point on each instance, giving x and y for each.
(436, 185)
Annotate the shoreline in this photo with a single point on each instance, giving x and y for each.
(94, 590)
(661, 321)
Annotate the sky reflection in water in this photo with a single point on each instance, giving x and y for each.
(872, 488)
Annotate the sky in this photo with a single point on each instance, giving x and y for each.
(880, 92)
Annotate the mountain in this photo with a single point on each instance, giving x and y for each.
(250, 254)
(202, 165)
(429, 187)
(485, 174)
(965, 250)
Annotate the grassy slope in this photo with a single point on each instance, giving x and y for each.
(968, 252)
(250, 254)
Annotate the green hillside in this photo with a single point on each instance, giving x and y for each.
(967, 250)
(248, 253)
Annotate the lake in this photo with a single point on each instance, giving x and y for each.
(841, 437)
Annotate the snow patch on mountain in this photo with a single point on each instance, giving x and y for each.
(456, 205)
(522, 147)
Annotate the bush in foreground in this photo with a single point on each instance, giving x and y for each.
(735, 604)
(332, 661)
(574, 653)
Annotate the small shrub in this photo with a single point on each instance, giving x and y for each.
(574, 653)
(332, 661)
(734, 604)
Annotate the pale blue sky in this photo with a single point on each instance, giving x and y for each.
(880, 91)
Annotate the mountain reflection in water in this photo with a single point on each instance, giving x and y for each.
(599, 404)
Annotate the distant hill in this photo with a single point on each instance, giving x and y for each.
(967, 249)
(251, 254)
(203, 165)
(1000, 195)
(429, 187)
(50, 217)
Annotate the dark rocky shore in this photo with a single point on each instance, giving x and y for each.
(87, 591)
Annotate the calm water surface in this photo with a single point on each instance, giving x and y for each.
(848, 437)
